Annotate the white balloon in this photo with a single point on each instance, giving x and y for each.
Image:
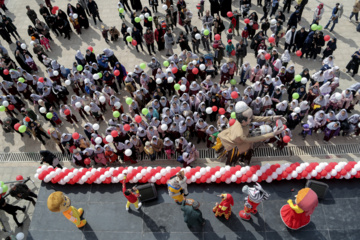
(117, 105)
(78, 104)
(227, 168)
(128, 152)
(109, 138)
(183, 88)
(32, 43)
(278, 171)
(194, 62)
(141, 17)
(96, 76)
(202, 67)
(75, 16)
(67, 178)
(158, 81)
(274, 175)
(87, 80)
(158, 176)
(303, 80)
(297, 110)
(88, 174)
(198, 175)
(338, 168)
(164, 127)
(213, 178)
(47, 179)
(202, 171)
(5, 103)
(44, 167)
(333, 172)
(20, 236)
(23, 46)
(107, 174)
(193, 179)
(84, 178)
(147, 15)
(67, 82)
(314, 173)
(198, 36)
(87, 108)
(357, 167)
(71, 175)
(129, 30)
(102, 178)
(209, 110)
(170, 80)
(96, 126)
(222, 170)
(42, 110)
(102, 99)
(164, 7)
(269, 179)
(273, 21)
(233, 178)
(254, 178)
(353, 172)
(238, 174)
(56, 73)
(98, 140)
(143, 171)
(338, 96)
(294, 174)
(217, 174)
(318, 169)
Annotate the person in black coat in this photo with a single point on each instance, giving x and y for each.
(214, 7)
(300, 37)
(147, 23)
(94, 10)
(225, 7)
(293, 20)
(49, 158)
(83, 20)
(136, 5)
(90, 57)
(11, 209)
(137, 36)
(183, 42)
(51, 22)
(318, 43)
(137, 25)
(4, 33)
(70, 9)
(22, 191)
(63, 26)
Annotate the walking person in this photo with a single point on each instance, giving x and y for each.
(169, 42)
(132, 198)
(192, 215)
(31, 14)
(21, 191)
(335, 15)
(10, 26)
(94, 10)
(50, 158)
(149, 39)
(355, 11)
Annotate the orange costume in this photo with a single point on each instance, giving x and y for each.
(224, 207)
(298, 215)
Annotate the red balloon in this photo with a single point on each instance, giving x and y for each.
(27, 119)
(53, 11)
(6, 72)
(114, 133)
(19, 178)
(104, 141)
(174, 70)
(56, 7)
(232, 121)
(41, 79)
(90, 48)
(247, 20)
(229, 14)
(214, 108)
(298, 53)
(87, 161)
(326, 37)
(267, 56)
(222, 111)
(286, 139)
(127, 127)
(234, 95)
(67, 112)
(11, 107)
(138, 119)
(233, 53)
(16, 126)
(195, 71)
(116, 72)
(271, 39)
(285, 127)
(134, 42)
(217, 37)
(75, 135)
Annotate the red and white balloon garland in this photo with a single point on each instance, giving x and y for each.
(238, 174)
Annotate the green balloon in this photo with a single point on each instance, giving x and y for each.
(319, 28)
(177, 87)
(4, 188)
(79, 68)
(137, 19)
(129, 100)
(206, 32)
(295, 95)
(100, 74)
(121, 10)
(2, 183)
(145, 111)
(297, 78)
(116, 114)
(166, 63)
(142, 66)
(49, 115)
(150, 19)
(2, 108)
(184, 67)
(314, 27)
(22, 129)
(22, 80)
(129, 38)
(232, 81)
(233, 115)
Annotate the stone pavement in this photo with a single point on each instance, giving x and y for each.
(64, 51)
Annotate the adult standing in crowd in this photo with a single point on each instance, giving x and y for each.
(94, 10)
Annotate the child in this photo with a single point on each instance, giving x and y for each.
(229, 35)
(265, 26)
(55, 117)
(229, 48)
(150, 151)
(245, 35)
(205, 38)
(306, 131)
(132, 198)
(285, 58)
(29, 61)
(104, 33)
(45, 42)
(200, 6)
(121, 15)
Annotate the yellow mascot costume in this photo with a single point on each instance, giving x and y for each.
(59, 202)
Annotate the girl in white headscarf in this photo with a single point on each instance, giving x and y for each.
(257, 87)
(180, 145)
(325, 88)
(256, 106)
(222, 120)
(100, 155)
(332, 129)
(304, 107)
(244, 73)
(319, 121)
(96, 112)
(342, 116)
(211, 134)
(285, 58)
(329, 61)
(200, 128)
(267, 103)
(168, 147)
(281, 108)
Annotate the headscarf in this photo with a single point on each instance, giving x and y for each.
(341, 117)
(332, 127)
(209, 132)
(94, 107)
(311, 121)
(325, 88)
(282, 106)
(332, 117)
(285, 57)
(266, 102)
(168, 142)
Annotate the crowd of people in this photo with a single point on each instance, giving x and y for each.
(179, 103)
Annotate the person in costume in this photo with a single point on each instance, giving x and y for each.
(255, 196)
(224, 207)
(175, 189)
(132, 198)
(298, 215)
(235, 143)
(59, 202)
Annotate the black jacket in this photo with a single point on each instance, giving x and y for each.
(93, 8)
(241, 50)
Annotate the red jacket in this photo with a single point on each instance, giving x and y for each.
(149, 38)
(244, 34)
(132, 197)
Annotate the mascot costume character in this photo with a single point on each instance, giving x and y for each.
(254, 197)
(298, 215)
(235, 142)
(177, 187)
(59, 202)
